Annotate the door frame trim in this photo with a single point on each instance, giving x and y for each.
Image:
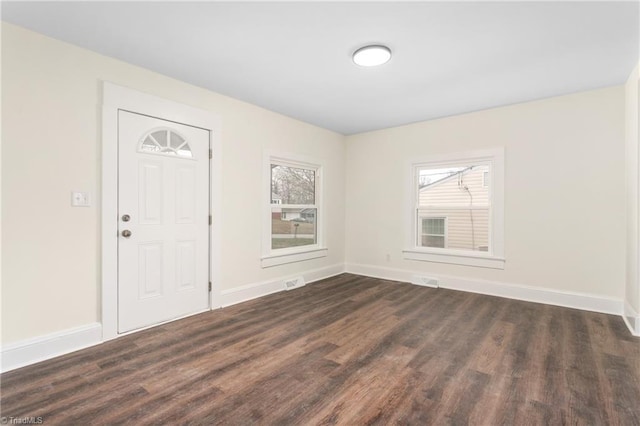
(115, 98)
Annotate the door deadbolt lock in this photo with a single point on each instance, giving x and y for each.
(126, 218)
(126, 233)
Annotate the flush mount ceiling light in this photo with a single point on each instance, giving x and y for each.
(371, 56)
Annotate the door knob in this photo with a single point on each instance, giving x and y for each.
(126, 218)
(126, 233)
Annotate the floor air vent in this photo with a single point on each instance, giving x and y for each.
(425, 281)
(294, 283)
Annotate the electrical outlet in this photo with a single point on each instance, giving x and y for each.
(80, 199)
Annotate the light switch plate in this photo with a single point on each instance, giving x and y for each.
(80, 199)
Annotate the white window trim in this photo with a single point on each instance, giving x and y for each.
(294, 254)
(495, 258)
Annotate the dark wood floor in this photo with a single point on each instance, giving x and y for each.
(349, 350)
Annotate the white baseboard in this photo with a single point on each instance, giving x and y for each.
(252, 291)
(26, 352)
(631, 318)
(584, 301)
(30, 351)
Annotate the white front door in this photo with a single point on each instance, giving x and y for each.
(163, 220)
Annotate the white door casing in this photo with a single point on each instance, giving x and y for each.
(163, 203)
(118, 98)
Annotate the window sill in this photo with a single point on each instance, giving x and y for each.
(466, 259)
(281, 259)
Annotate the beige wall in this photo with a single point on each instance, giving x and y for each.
(564, 191)
(565, 197)
(632, 289)
(51, 104)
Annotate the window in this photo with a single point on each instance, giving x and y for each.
(457, 209)
(455, 192)
(293, 231)
(165, 142)
(293, 222)
(433, 232)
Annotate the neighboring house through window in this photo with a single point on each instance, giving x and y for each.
(457, 209)
(434, 232)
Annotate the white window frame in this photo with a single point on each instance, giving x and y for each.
(271, 257)
(494, 258)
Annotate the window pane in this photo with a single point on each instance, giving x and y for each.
(150, 146)
(433, 232)
(432, 241)
(175, 140)
(292, 185)
(433, 226)
(461, 195)
(161, 137)
(293, 227)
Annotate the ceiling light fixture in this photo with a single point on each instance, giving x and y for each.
(371, 56)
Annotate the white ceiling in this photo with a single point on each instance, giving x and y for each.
(295, 57)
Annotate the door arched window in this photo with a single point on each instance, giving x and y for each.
(165, 141)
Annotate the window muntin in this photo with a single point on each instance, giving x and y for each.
(454, 191)
(294, 207)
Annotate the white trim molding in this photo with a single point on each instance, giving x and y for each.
(584, 301)
(117, 98)
(631, 319)
(281, 259)
(30, 351)
(255, 290)
(470, 259)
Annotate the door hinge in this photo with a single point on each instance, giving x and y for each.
(210, 154)
(209, 286)
(210, 220)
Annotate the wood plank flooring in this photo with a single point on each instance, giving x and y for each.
(348, 350)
